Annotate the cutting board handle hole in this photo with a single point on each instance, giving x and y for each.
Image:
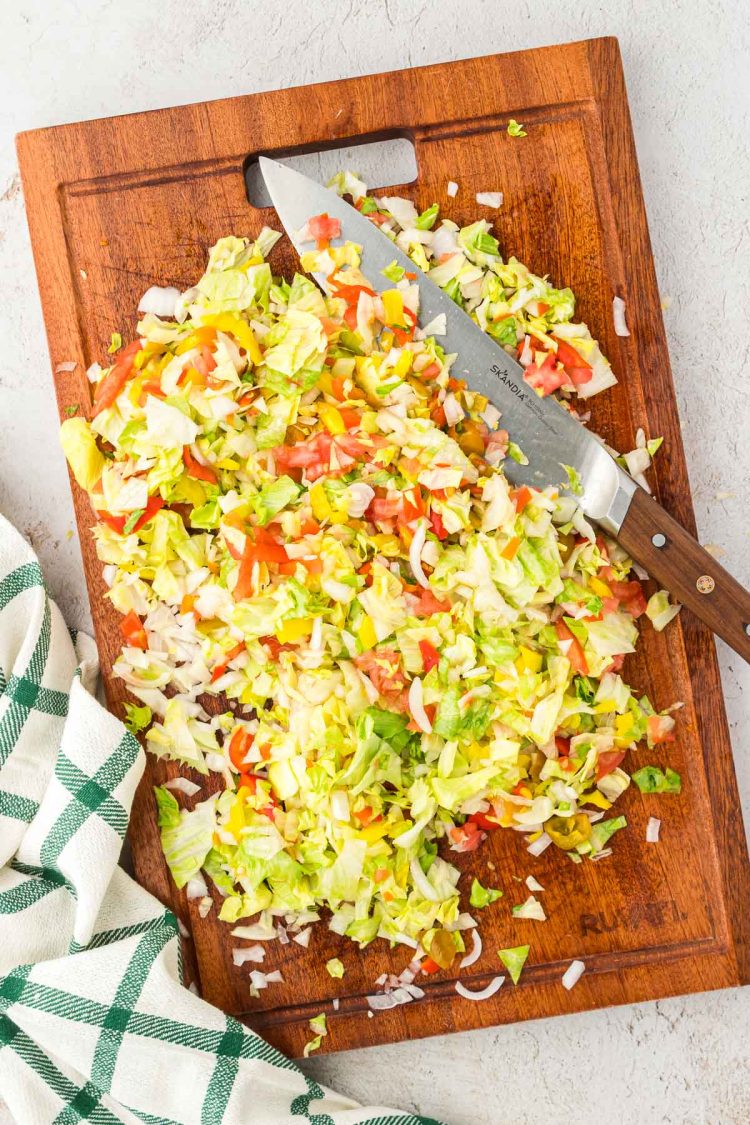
(382, 163)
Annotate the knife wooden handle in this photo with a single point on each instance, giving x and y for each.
(683, 567)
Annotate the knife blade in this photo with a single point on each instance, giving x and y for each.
(549, 437)
(544, 431)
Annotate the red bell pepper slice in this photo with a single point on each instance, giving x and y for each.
(196, 470)
(133, 631)
(430, 656)
(112, 383)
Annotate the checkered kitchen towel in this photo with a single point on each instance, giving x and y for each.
(95, 1024)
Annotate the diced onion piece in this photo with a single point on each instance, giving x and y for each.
(489, 199)
(573, 974)
(303, 938)
(66, 367)
(336, 1003)
(275, 977)
(196, 887)
(485, 993)
(452, 188)
(415, 554)
(381, 1001)
(242, 954)
(183, 785)
(256, 931)
(618, 315)
(159, 300)
(532, 884)
(474, 953)
(454, 412)
(204, 906)
(652, 830)
(416, 706)
(536, 847)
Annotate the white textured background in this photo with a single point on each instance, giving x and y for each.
(687, 66)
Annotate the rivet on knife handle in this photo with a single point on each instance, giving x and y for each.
(689, 572)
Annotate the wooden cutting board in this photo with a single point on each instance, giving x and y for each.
(118, 204)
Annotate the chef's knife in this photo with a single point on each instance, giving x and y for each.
(547, 434)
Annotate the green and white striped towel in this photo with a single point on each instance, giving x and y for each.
(95, 1024)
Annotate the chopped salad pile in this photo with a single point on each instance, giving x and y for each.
(363, 649)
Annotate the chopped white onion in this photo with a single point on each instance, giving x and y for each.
(303, 938)
(454, 412)
(204, 906)
(381, 980)
(573, 974)
(282, 934)
(416, 706)
(183, 785)
(381, 1001)
(256, 931)
(618, 315)
(539, 845)
(452, 188)
(489, 199)
(532, 884)
(495, 984)
(475, 952)
(66, 368)
(275, 977)
(336, 1003)
(159, 300)
(652, 830)
(196, 887)
(242, 954)
(415, 554)
(415, 991)
(215, 762)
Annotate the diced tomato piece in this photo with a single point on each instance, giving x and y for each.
(323, 228)
(430, 372)
(112, 383)
(467, 837)
(351, 418)
(133, 631)
(547, 377)
(607, 762)
(574, 652)
(117, 523)
(579, 371)
(630, 596)
(239, 744)
(485, 822)
(427, 604)
(205, 363)
(438, 526)
(196, 470)
(563, 745)
(429, 966)
(659, 729)
(383, 667)
(430, 656)
(521, 497)
(222, 666)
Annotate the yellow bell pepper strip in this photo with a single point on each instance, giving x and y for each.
(233, 325)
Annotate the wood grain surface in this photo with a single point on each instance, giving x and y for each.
(118, 204)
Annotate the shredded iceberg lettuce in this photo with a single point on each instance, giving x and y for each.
(333, 602)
